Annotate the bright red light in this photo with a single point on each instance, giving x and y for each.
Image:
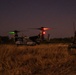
(44, 33)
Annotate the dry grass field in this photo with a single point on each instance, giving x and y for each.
(49, 59)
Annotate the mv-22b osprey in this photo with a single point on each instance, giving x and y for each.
(32, 40)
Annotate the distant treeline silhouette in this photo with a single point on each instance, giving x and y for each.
(61, 40)
(7, 40)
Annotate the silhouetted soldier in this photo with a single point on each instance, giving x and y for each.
(74, 40)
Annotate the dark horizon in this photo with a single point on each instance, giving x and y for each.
(59, 15)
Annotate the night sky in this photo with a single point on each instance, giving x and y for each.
(59, 15)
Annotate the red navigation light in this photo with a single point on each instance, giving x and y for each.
(44, 33)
